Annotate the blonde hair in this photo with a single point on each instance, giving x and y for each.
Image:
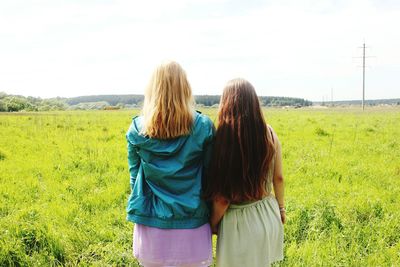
(168, 103)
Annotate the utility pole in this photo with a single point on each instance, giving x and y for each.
(363, 94)
(332, 97)
(363, 73)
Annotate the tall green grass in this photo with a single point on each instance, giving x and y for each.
(64, 185)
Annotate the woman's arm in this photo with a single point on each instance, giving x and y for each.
(220, 205)
(278, 181)
(133, 163)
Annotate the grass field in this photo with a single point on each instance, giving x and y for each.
(64, 185)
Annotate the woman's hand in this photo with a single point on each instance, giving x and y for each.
(283, 215)
(220, 205)
(214, 229)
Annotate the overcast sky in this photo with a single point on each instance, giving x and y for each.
(284, 48)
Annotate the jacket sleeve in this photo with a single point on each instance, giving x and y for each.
(133, 162)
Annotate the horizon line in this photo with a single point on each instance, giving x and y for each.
(316, 101)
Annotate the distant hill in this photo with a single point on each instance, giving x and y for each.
(113, 100)
(206, 100)
(372, 102)
(11, 103)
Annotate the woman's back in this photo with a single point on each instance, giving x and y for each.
(267, 187)
(251, 232)
(166, 188)
(168, 148)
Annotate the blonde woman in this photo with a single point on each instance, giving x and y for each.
(168, 150)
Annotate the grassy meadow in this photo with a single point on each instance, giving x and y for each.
(64, 185)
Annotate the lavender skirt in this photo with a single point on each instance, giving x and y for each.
(155, 247)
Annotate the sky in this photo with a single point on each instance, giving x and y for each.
(296, 48)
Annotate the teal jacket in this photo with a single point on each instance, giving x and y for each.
(166, 176)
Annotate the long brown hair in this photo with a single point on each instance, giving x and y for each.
(243, 148)
(168, 103)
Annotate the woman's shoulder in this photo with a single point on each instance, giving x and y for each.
(203, 119)
(270, 128)
(135, 128)
(136, 124)
(273, 134)
(272, 131)
(203, 124)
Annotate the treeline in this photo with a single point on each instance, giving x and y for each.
(20, 103)
(204, 100)
(273, 101)
(112, 100)
(13, 103)
(369, 102)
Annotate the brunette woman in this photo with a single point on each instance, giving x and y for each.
(246, 182)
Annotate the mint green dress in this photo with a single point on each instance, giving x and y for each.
(251, 234)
